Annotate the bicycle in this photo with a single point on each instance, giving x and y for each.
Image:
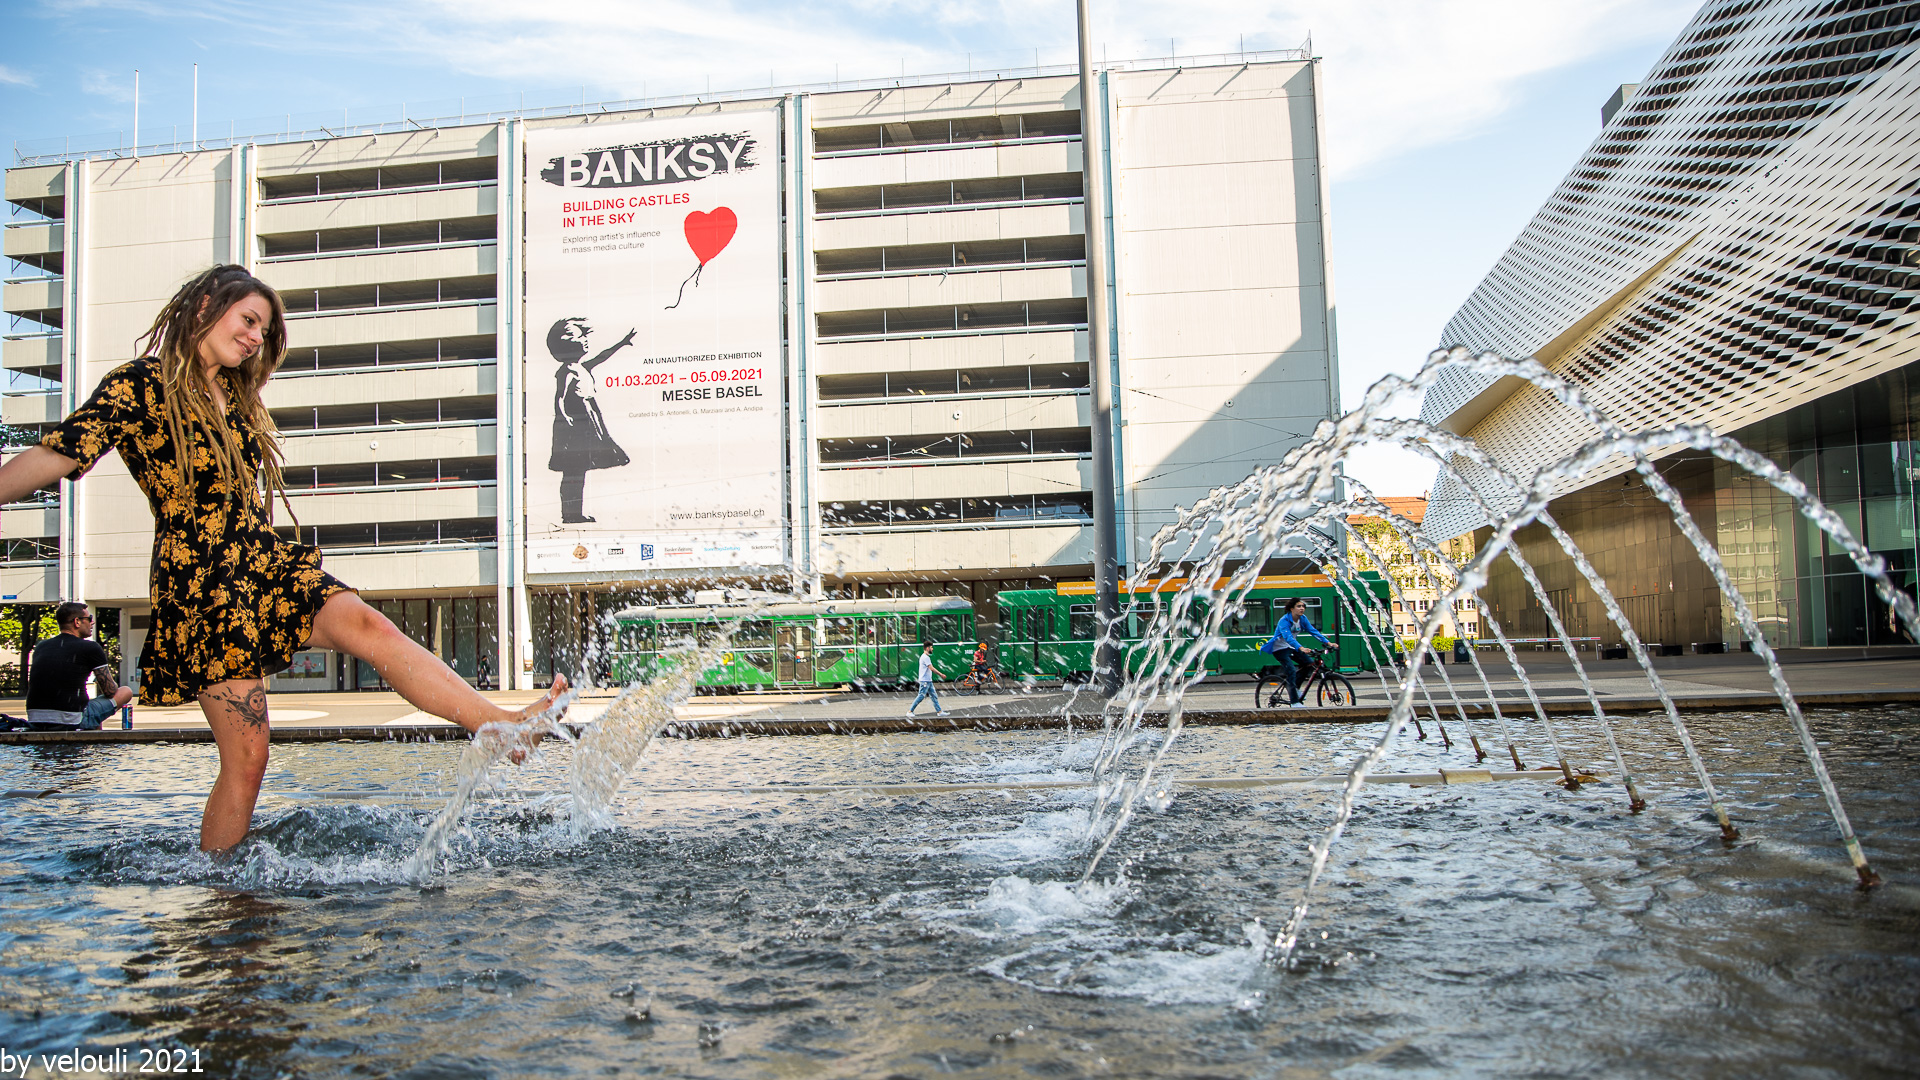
(977, 682)
(1318, 683)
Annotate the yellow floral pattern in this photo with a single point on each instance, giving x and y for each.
(231, 598)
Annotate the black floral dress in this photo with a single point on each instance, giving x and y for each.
(231, 598)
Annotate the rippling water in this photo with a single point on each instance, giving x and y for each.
(1509, 929)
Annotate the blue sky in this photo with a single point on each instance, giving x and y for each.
(1449, 121)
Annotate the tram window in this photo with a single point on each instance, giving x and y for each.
(842, 632)
(1256, 619)
(676, 633)
(1029, 624)
(940, 628)
(637, 637)
(753, 634)
(1140, 619)
(888, 629)
(1080, 621)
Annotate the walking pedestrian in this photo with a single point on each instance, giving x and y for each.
(926, 683)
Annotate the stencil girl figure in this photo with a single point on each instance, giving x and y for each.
(580, 437)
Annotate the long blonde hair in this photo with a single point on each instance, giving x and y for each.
(174, 340)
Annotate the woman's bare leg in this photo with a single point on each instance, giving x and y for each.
(237, 712)
(347, 624)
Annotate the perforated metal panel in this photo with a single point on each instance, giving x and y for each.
(1743, 237)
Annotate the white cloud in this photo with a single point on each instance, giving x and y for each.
(109, 85)
(1406, 75)
(14, 76)
(1400, 74)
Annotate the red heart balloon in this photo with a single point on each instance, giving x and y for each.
(708, 234)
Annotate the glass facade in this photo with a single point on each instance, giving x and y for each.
(1855, 449)
(458, 630)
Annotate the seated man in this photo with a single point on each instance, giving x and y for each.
(57, 682)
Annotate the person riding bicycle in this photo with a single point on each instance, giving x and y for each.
(1286, 648)
(980, 665)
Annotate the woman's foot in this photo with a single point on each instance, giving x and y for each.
(546, 701)
(526, 740)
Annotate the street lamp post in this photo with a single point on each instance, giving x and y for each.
(1106, 561)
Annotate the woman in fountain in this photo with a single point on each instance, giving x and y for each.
(232, 600)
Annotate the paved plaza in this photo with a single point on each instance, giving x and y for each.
(1697, 682)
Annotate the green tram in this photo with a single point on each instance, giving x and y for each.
(1049, 632)
(782, 643)
(786, 644)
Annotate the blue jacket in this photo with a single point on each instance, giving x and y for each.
(1290, 625)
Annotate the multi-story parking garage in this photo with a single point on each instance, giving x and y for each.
(931, 387)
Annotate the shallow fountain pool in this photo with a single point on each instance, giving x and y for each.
(1498, 929)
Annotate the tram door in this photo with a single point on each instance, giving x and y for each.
(886, 650)
(1029, 629)
(793, 653)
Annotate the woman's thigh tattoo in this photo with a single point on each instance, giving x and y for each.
(249, 706)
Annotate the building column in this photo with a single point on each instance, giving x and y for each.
(72, 581)
(513, 625)
(241, 220)
(803, 526)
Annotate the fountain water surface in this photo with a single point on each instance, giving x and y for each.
(1026, 902)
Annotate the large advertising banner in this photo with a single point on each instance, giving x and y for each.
(654, 420)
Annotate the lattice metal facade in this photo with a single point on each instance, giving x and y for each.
(1739, 241)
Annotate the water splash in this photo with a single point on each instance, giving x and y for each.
(607, 754)
(1297, 505)
(603, 757)
(490, 746)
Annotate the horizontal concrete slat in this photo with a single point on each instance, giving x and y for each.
(29, 522)
(957, 163)
(939, 417)
(943, 353)
(960, 481)
(383, 267)
(399, 208)
(30, 584)
(30, 353)
(30, 408)
(949, 226)
(933, 290)
(407, 571)
(410, 325)
(413, 384)
(962, 549)
(360, 508)
(39, 182)
(23, 240)
(32, 295)
(396, 445)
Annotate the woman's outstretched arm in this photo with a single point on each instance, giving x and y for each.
(32, 470)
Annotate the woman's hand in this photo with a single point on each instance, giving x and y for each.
(31, 470)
